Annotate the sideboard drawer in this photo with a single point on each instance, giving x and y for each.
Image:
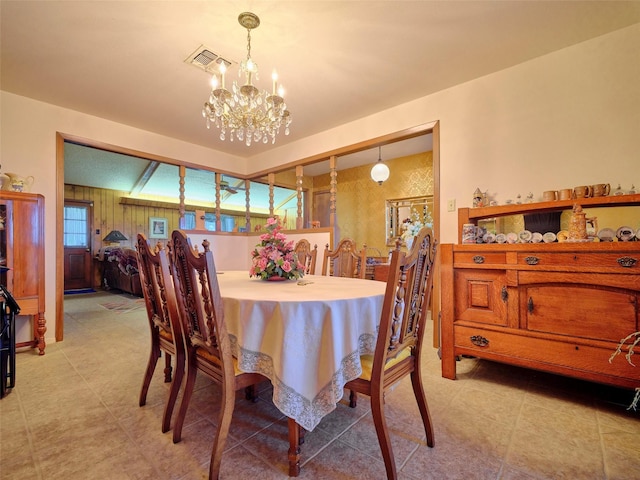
(544, 353)
(625, 262)
(480, 258)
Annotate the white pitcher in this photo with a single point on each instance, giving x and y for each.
(17, 183)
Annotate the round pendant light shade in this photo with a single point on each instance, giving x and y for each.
(379, 172)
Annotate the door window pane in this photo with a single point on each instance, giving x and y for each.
(75, 227)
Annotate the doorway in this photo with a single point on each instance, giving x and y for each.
(77, 227)
(424, 129)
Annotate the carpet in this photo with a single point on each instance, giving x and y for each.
(79, 290)
(126, 306)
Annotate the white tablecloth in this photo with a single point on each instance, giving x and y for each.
(306, 338)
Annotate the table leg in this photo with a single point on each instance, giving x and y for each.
(41, 328)
(294, 448)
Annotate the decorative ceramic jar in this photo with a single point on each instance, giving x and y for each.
(578, 224)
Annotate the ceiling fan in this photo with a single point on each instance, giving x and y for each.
(226, 187)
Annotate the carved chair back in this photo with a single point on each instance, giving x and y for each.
(345, 261)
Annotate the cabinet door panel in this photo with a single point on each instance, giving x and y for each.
(580, 311)
(479, 296)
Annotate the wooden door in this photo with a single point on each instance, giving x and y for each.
(321, 208)
(77, 245)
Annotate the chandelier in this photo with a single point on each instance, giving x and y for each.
(246, 113)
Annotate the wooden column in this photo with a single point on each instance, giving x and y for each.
(182, 171)
(272, 180)
(218, 221)
(247, 212)
(333, 162)
(299, 216)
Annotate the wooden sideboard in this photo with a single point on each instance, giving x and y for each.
(22, 251)
(556, 307)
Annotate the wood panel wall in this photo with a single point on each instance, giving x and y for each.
(111, 212)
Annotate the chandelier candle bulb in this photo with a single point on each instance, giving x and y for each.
(274, 76)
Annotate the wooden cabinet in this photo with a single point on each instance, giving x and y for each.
(557, 307)
(22, 252)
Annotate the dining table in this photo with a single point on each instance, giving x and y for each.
(305, 335)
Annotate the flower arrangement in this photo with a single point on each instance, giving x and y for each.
(274, 256)
(412, 225)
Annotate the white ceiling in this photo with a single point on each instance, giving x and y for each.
(338, 60)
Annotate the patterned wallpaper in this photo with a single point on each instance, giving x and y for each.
(361, 201)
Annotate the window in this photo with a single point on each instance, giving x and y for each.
(76, 227)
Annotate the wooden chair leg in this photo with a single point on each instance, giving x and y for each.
(173, 394)
(294, 448)
(421, 400)
(167, 368)
(184, 405)
(148, 374)
(224, 421)
(379, 421)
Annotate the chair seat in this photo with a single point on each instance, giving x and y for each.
(367, 363)
(201, 352)
(166, 335)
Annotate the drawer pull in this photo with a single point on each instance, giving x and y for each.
(478, 259)
(627, 262)
(532, 260)
(504, 294)
(530, 305)
(479, 341)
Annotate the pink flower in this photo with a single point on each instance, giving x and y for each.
(286, 266)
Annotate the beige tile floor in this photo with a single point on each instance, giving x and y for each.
(74, 414)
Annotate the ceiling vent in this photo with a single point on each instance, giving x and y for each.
(205, 59)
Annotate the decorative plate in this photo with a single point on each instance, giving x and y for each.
(536, 237)
(488, 238)
(625, 234)
(525, 236)
(549, 237)
(512, 237)
(502, 238)
(562, 236)
(606, 235)
(638, 234)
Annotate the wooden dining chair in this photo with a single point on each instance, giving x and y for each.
(399, 344)
(306, 255)
(207, 342)
(164, 323)
(345, 261)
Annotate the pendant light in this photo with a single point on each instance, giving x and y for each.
(379, 172)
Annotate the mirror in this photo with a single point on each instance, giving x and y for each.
(411, 208)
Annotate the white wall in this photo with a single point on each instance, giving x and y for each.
(234, 252)
(568, 118)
